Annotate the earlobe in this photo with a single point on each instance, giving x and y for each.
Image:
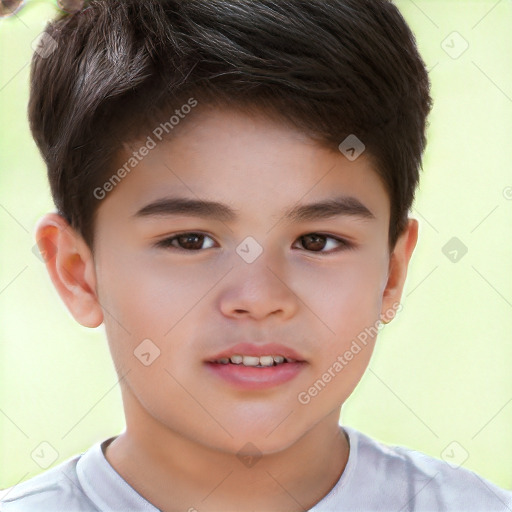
(70, 265)
(398, 266)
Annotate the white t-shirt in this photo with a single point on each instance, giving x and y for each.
(377, 477)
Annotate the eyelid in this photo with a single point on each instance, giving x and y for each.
(165, 243)
(344, 243)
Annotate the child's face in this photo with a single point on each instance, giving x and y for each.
(305, 295)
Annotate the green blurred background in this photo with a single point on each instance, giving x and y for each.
(440, 380)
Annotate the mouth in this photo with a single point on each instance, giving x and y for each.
(253, 367)
(257, 355)
(266, 361)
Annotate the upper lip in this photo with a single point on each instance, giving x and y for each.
(258, 350)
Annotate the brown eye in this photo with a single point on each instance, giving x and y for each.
(315, 242)
(184, 242)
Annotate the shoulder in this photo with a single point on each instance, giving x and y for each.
(56, 489)
(420, 482)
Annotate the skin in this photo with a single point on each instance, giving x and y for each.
(184, 426)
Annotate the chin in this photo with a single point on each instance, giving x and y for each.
(263, 440)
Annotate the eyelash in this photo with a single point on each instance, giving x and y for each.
(166, 243)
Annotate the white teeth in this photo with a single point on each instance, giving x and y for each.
(251, 361)
(263, 361)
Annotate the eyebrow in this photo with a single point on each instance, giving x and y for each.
(339, 206)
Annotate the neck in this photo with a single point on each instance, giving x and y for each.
(174, 472)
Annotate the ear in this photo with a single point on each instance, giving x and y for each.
(397, 271)
(70, 264)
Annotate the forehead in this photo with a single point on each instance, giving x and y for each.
(247, 162)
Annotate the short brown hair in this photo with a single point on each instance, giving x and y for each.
(329, 67)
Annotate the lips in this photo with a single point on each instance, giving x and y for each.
(257, 350)
(250, 379)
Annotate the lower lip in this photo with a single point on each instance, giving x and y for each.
(245, 377)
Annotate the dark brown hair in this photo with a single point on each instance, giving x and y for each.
(331, 68)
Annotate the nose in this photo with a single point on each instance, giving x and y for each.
(258, 290)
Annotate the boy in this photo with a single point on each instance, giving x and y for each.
(287, 136)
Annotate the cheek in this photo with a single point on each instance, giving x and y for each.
(149, 296)
(156, 301)
(346, 307)
(345, 298)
